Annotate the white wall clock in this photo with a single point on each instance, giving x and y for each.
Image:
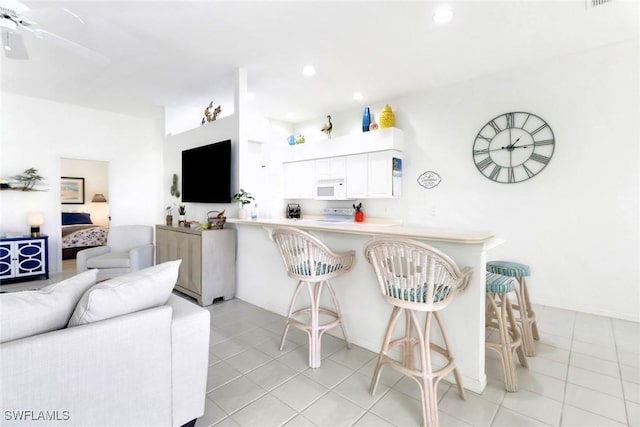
(513, 147)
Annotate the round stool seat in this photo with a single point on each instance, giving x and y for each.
(508, 268)
(499, 284)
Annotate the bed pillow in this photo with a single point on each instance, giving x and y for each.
(136, 291)
(27, 313)
(73, 218)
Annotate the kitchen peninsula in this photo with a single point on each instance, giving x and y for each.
(263, 281)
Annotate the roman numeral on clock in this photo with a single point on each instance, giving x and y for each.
(495, 172)
(539, 158)
(484, 163)
(495, 126)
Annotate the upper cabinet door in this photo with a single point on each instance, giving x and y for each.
(299, 180)
(330, 168)
(357, 186)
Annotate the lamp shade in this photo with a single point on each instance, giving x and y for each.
(98, 198)
(35, 219)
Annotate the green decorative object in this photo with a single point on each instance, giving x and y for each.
(300, 139)
(175, 190)
(513, 147)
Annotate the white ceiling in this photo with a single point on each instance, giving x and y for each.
(184, 53)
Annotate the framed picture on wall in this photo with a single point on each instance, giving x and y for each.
(71, 191)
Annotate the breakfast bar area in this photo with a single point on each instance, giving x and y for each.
(262, 281)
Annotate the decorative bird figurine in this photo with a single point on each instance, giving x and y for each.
(328, 127)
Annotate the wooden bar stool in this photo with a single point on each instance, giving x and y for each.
(499, 315)
(310, 262)
(415, 277)
(527, 317)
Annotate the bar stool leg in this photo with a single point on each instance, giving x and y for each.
(527, 318)
(336, 304)
(315, 356)
(290, 314)
(393, 319)
(502, 314)
(427, 385)
(456, 372)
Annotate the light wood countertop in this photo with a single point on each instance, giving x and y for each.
(375, 228)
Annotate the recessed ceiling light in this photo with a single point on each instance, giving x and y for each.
(443, 14)
(309, 71)
(357, 96)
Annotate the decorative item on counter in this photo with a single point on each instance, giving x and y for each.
(366, 119)
(387, 119)
(328, 128)
(244, 198)
(293, 210)
(291, 140)
(373, 125)
(359, 214)
(216, 222)
(300, 139)
(169, 218)
(211, 114)
(4, 184)
(429, 179)
(254, 212)
(182, 211)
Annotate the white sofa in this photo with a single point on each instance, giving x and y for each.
(144, 367)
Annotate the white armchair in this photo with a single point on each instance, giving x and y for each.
(129, 248)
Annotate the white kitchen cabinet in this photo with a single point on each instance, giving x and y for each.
(299, 179)
(208, 268)
(374, 175)
(330, 168)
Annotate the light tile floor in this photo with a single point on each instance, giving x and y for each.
(586, 373)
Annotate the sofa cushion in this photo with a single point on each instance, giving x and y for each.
(27, 313)
(110, 260)
(126, 294)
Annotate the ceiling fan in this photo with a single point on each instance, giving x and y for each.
(13, 24)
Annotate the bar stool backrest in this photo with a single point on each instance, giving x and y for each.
(307, 258)
(414, 275)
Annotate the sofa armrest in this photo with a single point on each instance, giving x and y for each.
(112, 372)
(190, 349)
(141, 257)
(83, 255)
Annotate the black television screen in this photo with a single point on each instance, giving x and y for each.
(206, 173)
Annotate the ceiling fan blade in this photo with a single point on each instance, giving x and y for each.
(71, 46)
(13, 45)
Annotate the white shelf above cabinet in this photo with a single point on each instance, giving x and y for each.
(365, 142)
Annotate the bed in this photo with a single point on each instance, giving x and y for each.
(79, 232)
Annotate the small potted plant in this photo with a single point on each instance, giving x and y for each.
(244, 198)
(182, 211)
(359, 214)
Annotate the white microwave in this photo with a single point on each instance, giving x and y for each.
(331, 189)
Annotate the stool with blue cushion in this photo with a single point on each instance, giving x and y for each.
(499, 316)
(527, 318)
(416, 278)
(312, 264)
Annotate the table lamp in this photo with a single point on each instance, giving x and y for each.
(35, 220)
(99, 198)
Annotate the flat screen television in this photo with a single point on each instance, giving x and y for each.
(206, 173)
